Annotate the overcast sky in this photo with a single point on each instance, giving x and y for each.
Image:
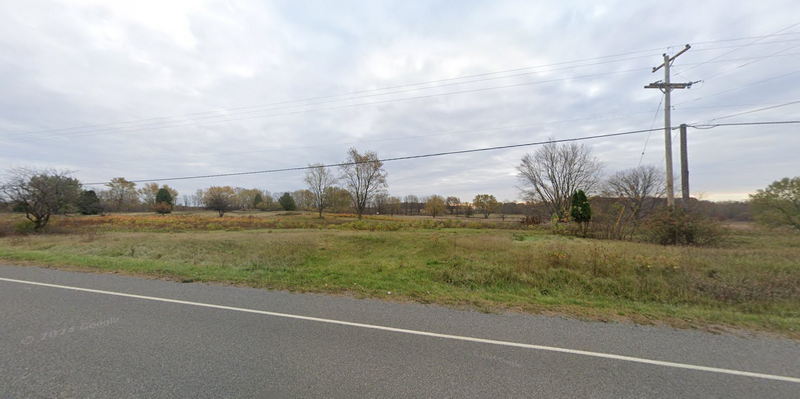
(150, 89)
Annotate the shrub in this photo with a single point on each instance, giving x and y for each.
(164, 200)
(162, 207)
(681, 227)
(25, 227)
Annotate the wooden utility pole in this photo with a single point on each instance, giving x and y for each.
(684, 169)
(666, 87)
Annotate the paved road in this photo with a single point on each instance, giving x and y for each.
(61, 342)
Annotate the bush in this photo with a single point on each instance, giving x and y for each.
(681, 227)
(25, 227)
(162, 208)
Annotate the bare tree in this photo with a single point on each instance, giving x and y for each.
(453, 203)
(637, 188)
(319, 179)
(41, 193)
(393, 204)
(555, 171)
(380, 202)
(410, 203)
(303, 199)
(363, 177)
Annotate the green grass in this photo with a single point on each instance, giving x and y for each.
(751, 282)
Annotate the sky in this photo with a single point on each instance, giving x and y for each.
(158, 89)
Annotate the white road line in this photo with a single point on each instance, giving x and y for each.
(427, 334)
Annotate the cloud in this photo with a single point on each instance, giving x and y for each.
(161, 89)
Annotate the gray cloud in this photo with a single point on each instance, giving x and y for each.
(78, 63)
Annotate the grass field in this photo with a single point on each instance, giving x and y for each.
(752, 281)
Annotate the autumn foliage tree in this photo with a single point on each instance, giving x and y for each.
(121, 194)
(220, 199)
(435, 205)
(486, 203)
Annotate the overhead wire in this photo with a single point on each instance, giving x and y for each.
(646, 140)
(430, 155)
(344, 97)
(475, 90)
(755, 110)
(735, 48)
(445, 153)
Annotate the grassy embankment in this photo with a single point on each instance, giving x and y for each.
(752, 281)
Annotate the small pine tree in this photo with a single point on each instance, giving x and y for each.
(287, 202)
(258, 199)
(88, 203)
(163, 201)
(581, 210)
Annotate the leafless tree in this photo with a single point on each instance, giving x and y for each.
(637, 188)
(393, 205)
(319, 179)
(363, 177)
(555, 171)
(410, 203)
(453, 203)
(40, 193)
(380, 202)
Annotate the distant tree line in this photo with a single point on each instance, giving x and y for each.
(558, 182)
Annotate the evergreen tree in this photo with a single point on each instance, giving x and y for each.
(163, 201)
(287, 202)
(580, 210)
(89, 203)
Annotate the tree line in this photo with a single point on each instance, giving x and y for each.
(558, 182)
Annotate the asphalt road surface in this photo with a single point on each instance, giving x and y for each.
(67, 334)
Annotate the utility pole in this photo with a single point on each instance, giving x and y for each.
(666, 87)
(684, 169)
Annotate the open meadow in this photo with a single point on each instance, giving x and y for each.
(750, 281)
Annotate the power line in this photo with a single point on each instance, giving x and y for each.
(174, 124)
(444, 153)
(482, 89)
(436, 154)
(349, 96)
(756, 59)
(646, 140)
(713, 125)
(756, 110)
(298, 102)
(747, 38)
(739, 47)
(739, 87)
